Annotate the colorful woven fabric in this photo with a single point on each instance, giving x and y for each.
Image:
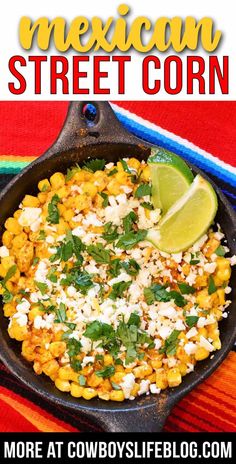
(205, 134)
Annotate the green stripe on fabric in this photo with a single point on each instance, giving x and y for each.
(9, 167)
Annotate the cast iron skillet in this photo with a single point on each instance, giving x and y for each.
(106, 138)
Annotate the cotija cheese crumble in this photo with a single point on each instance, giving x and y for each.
(98, 308)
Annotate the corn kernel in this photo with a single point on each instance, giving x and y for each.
(201, 353)
(76, 390)
(89, 393)
(57, 180)
(117, 395)
(30, 201)
(44, 185)
(174, 377)
(63, 385)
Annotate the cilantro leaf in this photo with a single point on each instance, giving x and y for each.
(143, 190)
(112, 172)
(61, 313)
(51, 275)
(134, 319)
(97, 330)
(10, 273)
(193, 259)
(147, 205)
(220, 251)
(125, 166)
(211, 286)
(83, 281)
(115, 386)
(75, 364)
(185, 288)
(127, 241)
(53, 211)
(114, 267)
(105, 199)
(94, 165)
(42, 235)
(110, 233)
(191, 320)
(129, 220)
(82, 380)
(66, 251)
(99, 254)
(108, 371)
(7, 296)
(132, 267)
(157, 292)
(41, 286)
(118, 289)
(171, 343)
(72, 171)
(73, 346)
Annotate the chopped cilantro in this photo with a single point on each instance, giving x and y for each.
(94, 165)
(147, 205)
(191, 320)
(99, 357)
(127, 241)
(42, 235)
(99, 254)
(82, 380)
(75, 364)
(44, 188)
(7, 296)
(220, 251)
(41, 286)
(51, 275)
(143, 190)
(157, 292)
(118, 289)
(114, 267)
(108, 371)
(211, 286)
(112, 172)
(72, 171)
(115, 386)
(193, 259)
(128, 221)
(132, 267)
(110, 233)
(185, 288)
(83, 281)
(105, 199)
(10, 273)
(171, 343)
(35, 261)
(125, 166)
(53, 211)
(61, 313)
(73, 346)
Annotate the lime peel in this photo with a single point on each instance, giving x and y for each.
(187, 220)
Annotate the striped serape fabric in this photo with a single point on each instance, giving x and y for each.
(204, 133)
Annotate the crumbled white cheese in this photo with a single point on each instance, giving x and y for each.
(177, 257)
(154, 390)
(127, 384)
(228, 290)
(192, 332)
(87, 360)
(199, 244)
(210, 267)
(190, 348)
(144, 387)
(4, 252)
(233, 260)
(168, 311)
(164, 332)
(122, 277)
(204, 343)
(91, 219)
(23, 307)
(21, 319)
(29, 216)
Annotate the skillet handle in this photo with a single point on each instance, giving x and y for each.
(78, 130)
(146, 419)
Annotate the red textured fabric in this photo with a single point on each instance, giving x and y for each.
(29, 128)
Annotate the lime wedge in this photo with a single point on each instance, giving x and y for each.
(187, 220)
(170, 177)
